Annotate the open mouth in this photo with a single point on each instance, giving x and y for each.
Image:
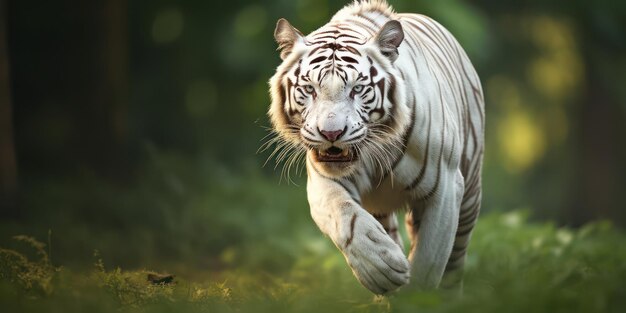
(335, 154)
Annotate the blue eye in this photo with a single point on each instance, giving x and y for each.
(357, 88)
(309, 89)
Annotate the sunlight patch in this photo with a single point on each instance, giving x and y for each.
(167, 26)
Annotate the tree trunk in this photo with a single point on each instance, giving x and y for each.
(105, 117)
(115, 59)
(598, 144)
(8, 163)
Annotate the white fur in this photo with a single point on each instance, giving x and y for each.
(343, 200)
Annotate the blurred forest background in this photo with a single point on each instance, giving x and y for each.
(133, 127)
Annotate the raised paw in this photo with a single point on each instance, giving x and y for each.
(376, 260)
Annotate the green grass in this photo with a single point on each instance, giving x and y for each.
(238, 241)
(514, 266)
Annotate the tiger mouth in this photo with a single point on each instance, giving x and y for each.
(335, 154)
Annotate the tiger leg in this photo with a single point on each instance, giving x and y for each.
(453, 277)
(437, 232)
(412, 222)
(376, 260)
(390, 224)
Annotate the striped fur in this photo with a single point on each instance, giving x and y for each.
(408, 107)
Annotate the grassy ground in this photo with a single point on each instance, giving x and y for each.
(513, 266)
(259, 251)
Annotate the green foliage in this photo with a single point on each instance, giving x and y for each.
(130, 289)
(514, 265)
(518, 266)
(33, 277)
(163, 173)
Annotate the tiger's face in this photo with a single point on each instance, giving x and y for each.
(335, 95)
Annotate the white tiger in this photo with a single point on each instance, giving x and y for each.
(389, 111)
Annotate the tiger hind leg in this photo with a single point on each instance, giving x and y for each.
(390, 224)
(412, 221)
(453, 275)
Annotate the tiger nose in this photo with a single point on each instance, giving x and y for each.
(332, 135)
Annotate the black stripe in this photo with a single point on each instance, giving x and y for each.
(420, 176)
(349, 59)
(352, 221)
(465, 232)
(317, 60)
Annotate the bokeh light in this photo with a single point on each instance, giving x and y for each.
(167, 26)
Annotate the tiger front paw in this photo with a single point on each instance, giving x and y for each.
(376, 260)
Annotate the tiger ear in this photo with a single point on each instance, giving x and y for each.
(389, 39)
(286, 36)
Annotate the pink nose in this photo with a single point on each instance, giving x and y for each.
(332, 135)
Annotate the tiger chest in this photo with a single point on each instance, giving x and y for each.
(384, 198)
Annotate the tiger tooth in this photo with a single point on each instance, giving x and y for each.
(344, 152)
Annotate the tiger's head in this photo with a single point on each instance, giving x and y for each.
(337, 95)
